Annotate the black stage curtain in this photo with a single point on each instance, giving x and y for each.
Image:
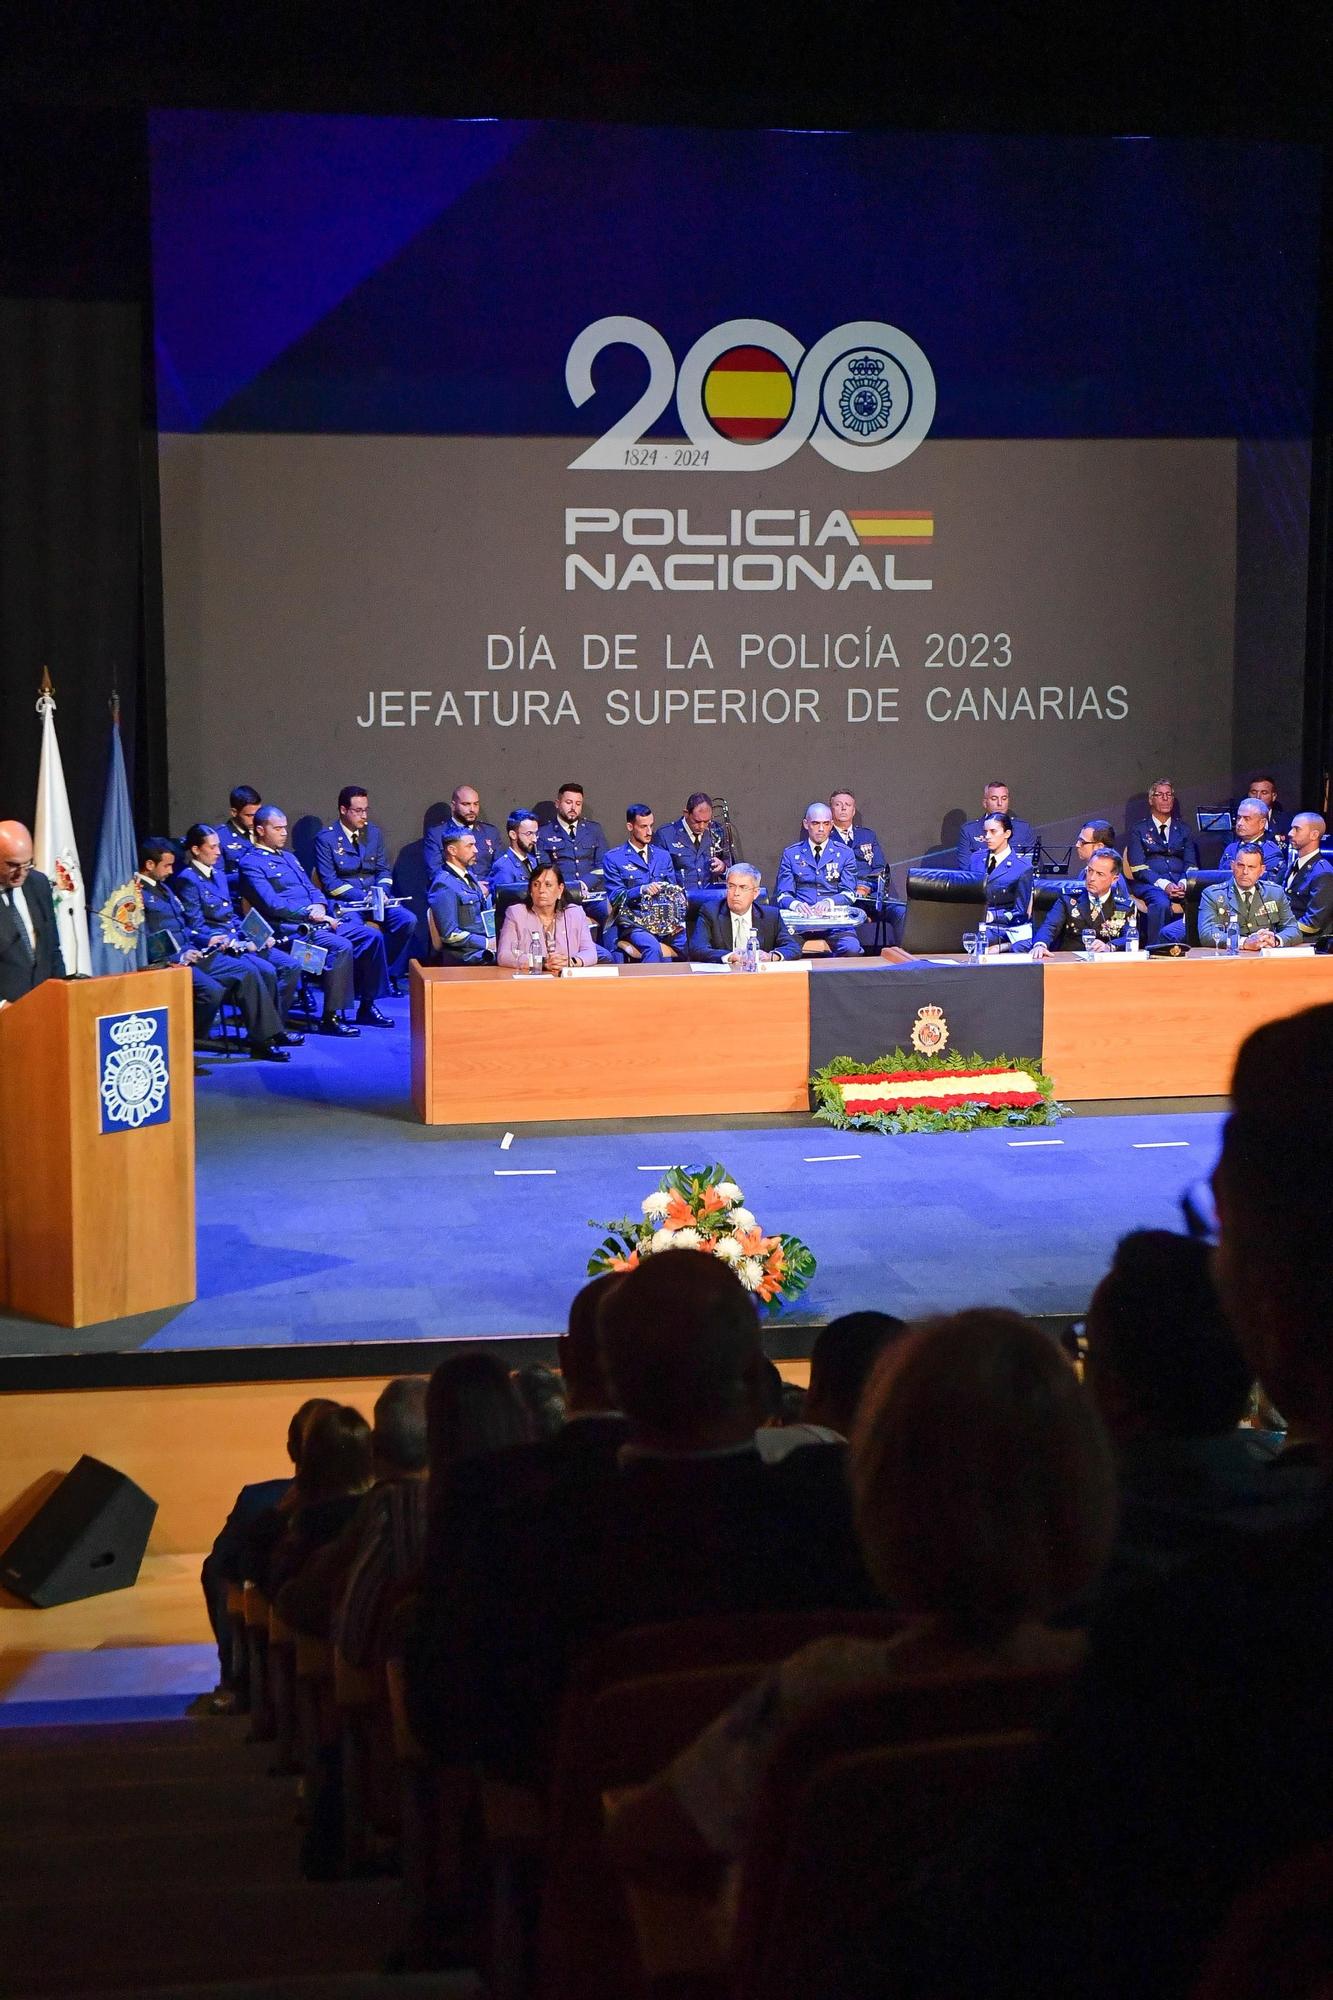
(79, 590)
(863, 1013)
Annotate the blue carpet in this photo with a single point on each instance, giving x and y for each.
(108, 1684)
(327, 1213)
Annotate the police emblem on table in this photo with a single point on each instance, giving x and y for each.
(930, 1031)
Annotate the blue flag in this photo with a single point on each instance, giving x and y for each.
(116, 920)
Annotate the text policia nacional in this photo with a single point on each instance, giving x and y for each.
(780, 678)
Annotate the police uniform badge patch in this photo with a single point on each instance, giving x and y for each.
(930, 1031)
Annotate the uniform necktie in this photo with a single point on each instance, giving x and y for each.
(356, 842)
(819, 850)
(990, 864)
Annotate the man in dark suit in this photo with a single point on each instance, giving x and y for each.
(687, 1521)
(722, 929)
(29, 940)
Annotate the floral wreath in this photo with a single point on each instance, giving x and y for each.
(906, 1092)
(702, 1208)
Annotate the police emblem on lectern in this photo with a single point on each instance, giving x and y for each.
(133, 1069)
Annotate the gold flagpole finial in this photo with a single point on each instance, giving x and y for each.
(115, 709)
(46, 687)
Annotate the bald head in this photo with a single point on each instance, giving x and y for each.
(15, 852)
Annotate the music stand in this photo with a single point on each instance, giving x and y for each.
(1214, 822)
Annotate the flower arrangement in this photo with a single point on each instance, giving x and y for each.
(906, 1092)
(701, 1208)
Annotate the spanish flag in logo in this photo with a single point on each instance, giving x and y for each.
(748, 394)
(888, 527)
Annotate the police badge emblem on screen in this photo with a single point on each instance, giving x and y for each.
(133, 1070)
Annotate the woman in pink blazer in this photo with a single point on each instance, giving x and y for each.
(546, 912)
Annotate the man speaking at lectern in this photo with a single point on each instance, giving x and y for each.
(29, 941)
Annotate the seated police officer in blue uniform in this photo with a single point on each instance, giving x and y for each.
(633, 868)
(465, 817)
(820, 871)
(1100, 904)
(1252, 829)
(273, 880)
(513, 868)
(1259, 905)
(1007, 879)
(213, 923)
(971, 835)
(215, 975)
(1309, 883)
(871, 876)
(459, 903)
(236, 835)
(351, 862)
(578, 848)
(695, 845)
(1159, 849)
(721, 930)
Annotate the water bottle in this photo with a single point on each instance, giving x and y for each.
(1132, 930)
(536, 952)
(750, 957)
(1233, 935)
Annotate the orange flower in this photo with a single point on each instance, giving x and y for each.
(752, 1241)
(679, 1214)
(630, 1263)
(776, 1262)
(712, 1201)
(768, 1287)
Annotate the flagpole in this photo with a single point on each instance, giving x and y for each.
(119, 942)
(55, 851)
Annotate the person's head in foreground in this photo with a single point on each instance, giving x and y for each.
(681, 1351)
(472, 1407)
(844, 1353)
(982, 1479)
(300, 1424)
(1275, 1256)
(399, 1428)
(1162, 1357)
(579, 1348)
(543, 1397)
(337, 1457)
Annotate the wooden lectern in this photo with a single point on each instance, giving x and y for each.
(97, 1223)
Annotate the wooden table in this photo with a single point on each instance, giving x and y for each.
(493, 1047)
(1169, 1027)
(644, 1041)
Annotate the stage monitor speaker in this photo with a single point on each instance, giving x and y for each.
(87, 1538)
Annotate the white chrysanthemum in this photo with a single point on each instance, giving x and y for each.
(740, 1218)
(663, 1239)
(685, 1239)
(729, 1192)
(750, 1271)
(729, 1250)
(657, 1204)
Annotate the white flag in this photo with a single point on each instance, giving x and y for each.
(54, 851)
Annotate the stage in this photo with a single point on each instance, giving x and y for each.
(328, 1214)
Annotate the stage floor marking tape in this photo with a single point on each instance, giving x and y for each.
(512, 1173)
(1035, 1142)
(664, 1169)
(1155, 1145)
(506, 1142)
(810, 1158)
